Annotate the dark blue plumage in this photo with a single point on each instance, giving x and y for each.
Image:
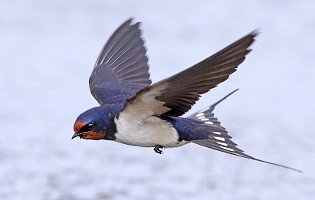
(188, 129)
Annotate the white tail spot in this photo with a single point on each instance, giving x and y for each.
(229, 149)
(209, 122)
(202, 117)
(219, 138)
(200, 114)
(222, 143)
(215, 132)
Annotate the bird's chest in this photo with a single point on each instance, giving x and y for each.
(147, 132)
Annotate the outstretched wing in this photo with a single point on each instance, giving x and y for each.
(121, 69)
(174, 96)
(218, 138)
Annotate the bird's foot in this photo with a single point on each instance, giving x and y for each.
(158, 149)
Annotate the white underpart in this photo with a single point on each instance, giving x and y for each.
(137, 125)
(147, 132)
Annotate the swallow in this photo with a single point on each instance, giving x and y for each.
(135, 112)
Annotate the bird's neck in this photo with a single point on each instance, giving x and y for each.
(113, 110)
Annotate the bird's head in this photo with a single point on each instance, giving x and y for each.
(95, 124)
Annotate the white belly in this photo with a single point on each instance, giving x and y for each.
(147, 132)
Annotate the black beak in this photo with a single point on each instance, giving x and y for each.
(75, 135)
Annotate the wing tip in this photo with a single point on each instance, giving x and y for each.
(129, 20)
(253, 35)
(255, 32)
(127, 23)
(132, 22)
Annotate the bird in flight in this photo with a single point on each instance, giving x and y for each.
(135, 112)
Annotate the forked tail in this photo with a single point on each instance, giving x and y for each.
(218, 137)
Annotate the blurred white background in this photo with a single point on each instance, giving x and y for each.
(48, 49)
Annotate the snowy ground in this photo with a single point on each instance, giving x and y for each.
(48, 48)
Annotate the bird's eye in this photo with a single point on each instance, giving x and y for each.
(86, 127)
(90, 125)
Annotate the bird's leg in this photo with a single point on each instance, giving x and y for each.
(158, 148)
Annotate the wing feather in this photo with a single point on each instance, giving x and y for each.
(121, 69)
(174, 96)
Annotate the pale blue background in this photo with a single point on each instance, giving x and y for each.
(47, 51)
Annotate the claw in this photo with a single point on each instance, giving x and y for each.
(158, 148)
